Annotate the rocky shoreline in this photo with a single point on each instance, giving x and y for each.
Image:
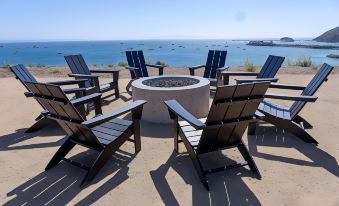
(334, 56)
(270, 43)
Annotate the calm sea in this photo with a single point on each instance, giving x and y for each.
(173, 52)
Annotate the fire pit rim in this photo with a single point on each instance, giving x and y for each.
(138, 83)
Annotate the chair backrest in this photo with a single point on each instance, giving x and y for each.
(232, 110)
(136, 59)
(312, 87)
(78, 65)
(271, 66)
(22, 73)
(215, 59)
(63, 111)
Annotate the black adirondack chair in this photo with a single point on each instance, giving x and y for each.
(267, 72)
(23, 75)
(80, 70)
(233, 108)
(215, 64)
(138, 67)
(104, 133)
(289, 118)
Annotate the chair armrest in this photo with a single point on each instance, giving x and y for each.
(225, 75)
(285, 86)
(239, 81)
(86, 99)
(223, 69)
(196, 67)
(29, 94)
(291, 97)
(258, 115)
(74, 90)
(105, 71)
(106, 117)
(86, 76)
(230, 73)
(134, 70)
(174, 107)
(94, 78)
(95, 98)
(69, 82)
(192, 69)
(160, 67)
(114, 72)
(155, 66)
(131, 68)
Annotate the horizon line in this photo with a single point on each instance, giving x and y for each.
(151, 39)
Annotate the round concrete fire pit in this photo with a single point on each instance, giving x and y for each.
(191, 92)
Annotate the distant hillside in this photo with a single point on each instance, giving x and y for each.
(329, 36)
(287, 39)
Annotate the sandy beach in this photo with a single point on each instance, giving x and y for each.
(293, 172)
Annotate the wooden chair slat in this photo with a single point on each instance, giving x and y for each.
(215, 59)
(209, 63)
(312, 87)
(215, 64)
(214, 137)
(142, 64)
(271, 66)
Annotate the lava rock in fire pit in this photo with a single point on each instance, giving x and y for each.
(170, 82)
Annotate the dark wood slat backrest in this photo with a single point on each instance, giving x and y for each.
(271, 66)
(22, 73)
(78, 65)
(232, 108)
(136, 59)
(312, 87)
(215, 59)
(62, 110)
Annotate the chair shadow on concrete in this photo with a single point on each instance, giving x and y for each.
(8, 141)
(226, 188)
(59, 185)
(272, 136)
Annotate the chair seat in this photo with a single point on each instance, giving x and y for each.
(110, 131)
(193, 135)
(275, 110)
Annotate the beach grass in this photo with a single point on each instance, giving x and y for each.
(249, 66)
(5, 66)
(301, 61)
(162, 63)
(122, 64)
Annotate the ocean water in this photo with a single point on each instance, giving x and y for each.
(173, 52)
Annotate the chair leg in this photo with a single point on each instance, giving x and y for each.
(292, 128)
(137, 136)
(101, 160)
(128, 87)
(117, 94)
(39, 124)
(252, 127)
(198, 167)
(61, 153)
(176, 136)
(246, 155)
(300, 120)
(196, 163)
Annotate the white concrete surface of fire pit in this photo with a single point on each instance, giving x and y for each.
(194, 98)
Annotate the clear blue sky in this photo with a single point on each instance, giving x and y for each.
(159, 19)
